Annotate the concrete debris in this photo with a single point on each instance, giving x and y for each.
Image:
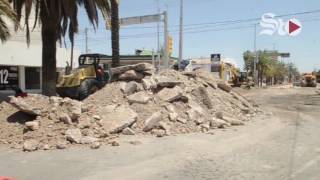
(158, 132)
(149, 84)
(128, 131)
(88, 140)
(74, 135)
(114, 121)
(173, 116)
(32, 125)
(152, 121)
(205, 97)
(115, 143)
(95, 145)
(138, 67)
(139, 97)
(182, 120)
(30, 105)
(61, 145)
(232, 121)
(30, 145)
(166, 82)
(64, 117)
(131, 75)
(218, 123)
(135, 142)
(163, 103)
(170, 94)
(225, 87)
(129, 88)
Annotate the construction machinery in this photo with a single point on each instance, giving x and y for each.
(308, 80)
(89, 77)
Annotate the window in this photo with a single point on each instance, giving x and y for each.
(32, 78)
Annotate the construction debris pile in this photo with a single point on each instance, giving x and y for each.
(139, 102)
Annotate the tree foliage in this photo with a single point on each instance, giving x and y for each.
(6, 12)
(268, 66)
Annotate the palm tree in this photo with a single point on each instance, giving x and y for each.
(5, 11)
(57, 18)
(115, 33)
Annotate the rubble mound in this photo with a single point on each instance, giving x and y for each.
(159, 104)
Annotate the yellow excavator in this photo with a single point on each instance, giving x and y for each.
(308, 80)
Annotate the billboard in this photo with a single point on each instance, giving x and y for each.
(215, 57)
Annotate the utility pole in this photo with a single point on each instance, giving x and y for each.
(181, 35)
(158, 32)
(166, 35)
(86, 34)
(255, 56)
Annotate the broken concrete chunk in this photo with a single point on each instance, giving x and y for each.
(182, 120)
(165, 126)
(166, 82)
(74, 135)
(205, 97)
(32, 125)
(30, 145)
(114, 121)
(170, 94)
(131, 75)
(32, 105)
(61, 145)
(218, 123)
(65, 118)
(128, 131)
(88, 140)
(224, 87)
(140, 98)
(152, 121)
(149, 83)
(129, 88)
(158, 132)
(232, 121)
(95, 145)
(137, 67)
(173, 116)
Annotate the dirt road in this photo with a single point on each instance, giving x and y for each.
(284, 144)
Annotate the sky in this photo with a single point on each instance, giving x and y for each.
(203, 36)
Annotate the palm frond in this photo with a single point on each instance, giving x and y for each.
(8, 12)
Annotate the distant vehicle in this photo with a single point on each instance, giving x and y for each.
(308, 80)
(85, 80)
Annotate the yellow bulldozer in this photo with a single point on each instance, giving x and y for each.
(308, 80)
(89, 77)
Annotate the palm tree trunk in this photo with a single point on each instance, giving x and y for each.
(115, 33)
(49, 38)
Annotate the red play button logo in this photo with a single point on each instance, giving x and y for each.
(294, 27)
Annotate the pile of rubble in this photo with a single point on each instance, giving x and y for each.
(139, 102)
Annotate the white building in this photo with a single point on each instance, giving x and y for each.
(20, 65)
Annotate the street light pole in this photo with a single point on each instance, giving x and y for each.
(181, 35)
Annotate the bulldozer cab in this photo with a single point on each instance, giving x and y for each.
(90, 59)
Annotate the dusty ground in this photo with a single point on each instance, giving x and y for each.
(285, 145)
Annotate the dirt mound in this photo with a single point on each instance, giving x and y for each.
(160, 104)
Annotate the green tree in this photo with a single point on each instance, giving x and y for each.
(6, 12)
(57, 18)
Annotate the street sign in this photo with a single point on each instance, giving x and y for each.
(284, 55)
(8, 77)
(140, 20)
(215, 57)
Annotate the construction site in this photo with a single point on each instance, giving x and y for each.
(162, 90)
